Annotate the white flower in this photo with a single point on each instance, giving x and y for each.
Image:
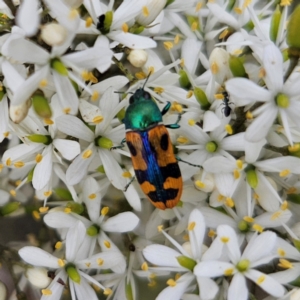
(241, 266)
(183, 261)
(280, 98)
(71, 266)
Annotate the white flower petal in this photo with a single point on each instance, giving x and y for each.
(28, 17)
(162, 256)
(122, 222)
(176, 292)
(38, 257)
(74, 238)
(243, 91)
(212, 268)
(238, 288)
(273, 64)
(68, 149)
(43, 170)
(73, 126)
(208, 288)
(25, 51)
(59, 219)
(132, 40)
(210, 121)
(267, 283)
(66, 93)
(262, 124)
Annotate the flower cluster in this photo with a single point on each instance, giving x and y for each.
(228, 72)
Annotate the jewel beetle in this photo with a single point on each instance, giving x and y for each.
(155, 165)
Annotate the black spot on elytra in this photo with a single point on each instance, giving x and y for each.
(169, 194)
(171, 170)
(164, 142)
(131, 148)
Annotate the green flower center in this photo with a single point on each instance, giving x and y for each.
(243, 265)
(103, 142)
(282, 101)
(93, 230)
(243, 226)
(73, 273)
(211, 147)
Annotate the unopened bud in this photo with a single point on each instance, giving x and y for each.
(18, 113)
(138, 58)
(53, 34)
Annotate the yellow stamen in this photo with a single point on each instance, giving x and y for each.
(198, 6)
(171, 282)
(258, 228)
(214, 68)
(43, 209)
(67, 210)
(61, 262)
(95, 96)
(284, 173)
(106, 244)
(281, 252)
(223, 34)
(276, 215)
(48, 121)
(92, 196)
(126, 174)
(262, 73)
(294, 148)
(46, 292)
(6, 134)
(160, 228)
(168, 45)
(145, 11)
(228, 272)
(159, 90)
(43, 83)
(88, 22)
(140, 75)
(211, 233)
(238, 10)
(284, 205)
(73, 14)
(98, 119)
(66, 110)
(200, 184)
(191, 226)
(19, 164)
(248, 219)
(125, 27)
(13, 193)
(104, 210)
(228, 129)
(261, 279)
(182, 140)
(236, 174)
(285, 2)
(229, 202)
(249, 115)
(8, 161)
(283, 263)
(191, 122)
(237, 52)
(87, 153)
(47, 193)
(107, 292)
(38, 158)
(144, 266)
(176, 39)
(100, 261)
(189, 94)
(36, 215)
(224, 239)
(58, 245)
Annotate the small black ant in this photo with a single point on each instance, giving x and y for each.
(226, 109)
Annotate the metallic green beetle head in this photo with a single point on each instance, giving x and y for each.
(142, 113)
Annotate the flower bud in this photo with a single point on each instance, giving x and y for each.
(53, 34)
(138, 58)
(73, 274)
(41, 106)
(3, 291)
(275, 21)
(292, 32)
(39, 138)
(201, 98)
(38, 277)
(184, 80)
(186, 262)
(219, 65)
(150, 11)
(18, 113)
(237, 67)
(9, 208)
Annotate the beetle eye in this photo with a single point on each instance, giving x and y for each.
(147, 95)
(131, 100)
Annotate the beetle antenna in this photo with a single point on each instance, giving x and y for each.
(147, 79)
